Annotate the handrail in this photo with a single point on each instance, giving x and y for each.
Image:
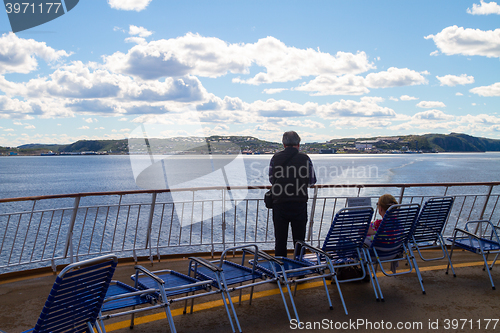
(249, 187)
(211, 222)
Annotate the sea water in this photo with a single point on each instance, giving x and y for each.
(23, 176)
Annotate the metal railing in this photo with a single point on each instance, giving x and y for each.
(52, 230)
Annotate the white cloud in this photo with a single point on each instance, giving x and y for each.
(395, 77)
(333, 85)
(136, 5)
(88, 120)
(123, 119)
(136, 40)
(357, 85)
(139, 31)
(213, 57)
(459, 94)
(83, 127)
(470, 42)
(30, 127)
(18, 55)
(395, 99)
(431, 104)
(492, 90)
(433, 115)
(407, 98)
(271, 91)
(9, 130)
(301, 123)
(453, 80)
(99, 128)
(484, 8)
(366, 107)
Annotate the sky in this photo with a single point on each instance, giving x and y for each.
(327, 69)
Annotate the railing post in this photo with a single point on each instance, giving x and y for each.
(484, 207)
(69, 236)
(313, 210)
(486, 202)
(401, 194)
(150, 223)
(224, 218)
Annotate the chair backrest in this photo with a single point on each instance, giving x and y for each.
(396, 226)
(347, 232)
(431, 220)
(77, 295)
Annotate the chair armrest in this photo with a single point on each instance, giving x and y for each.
(312, 249)
(205, 263)
(264, 255)
(148, 273)
(468, 233)
(132, 293)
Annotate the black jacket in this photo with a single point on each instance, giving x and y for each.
(290, 182)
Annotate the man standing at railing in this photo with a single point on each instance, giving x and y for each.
(290, 174)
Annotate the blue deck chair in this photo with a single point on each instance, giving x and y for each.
(293, 271)
(344, 241)
(231, 276)
(429, 227)
(390, 244)
(167, 285)
(121, 295)
(76, 298)
(479, 242)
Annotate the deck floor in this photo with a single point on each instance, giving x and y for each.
(468, 298)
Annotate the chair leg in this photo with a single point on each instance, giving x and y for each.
(419, 276)
(340, 293)
(373, 272)
(489, 273)
(448, 257)
(494, 260)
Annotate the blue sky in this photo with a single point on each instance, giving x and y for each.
(326, 69)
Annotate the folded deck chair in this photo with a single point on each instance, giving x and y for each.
(76, 298)
(231, 276)
(390, 244)
(169, 285)
(429, 227)
(480, 241)
(293, 271)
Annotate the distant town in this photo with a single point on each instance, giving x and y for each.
(410, 144)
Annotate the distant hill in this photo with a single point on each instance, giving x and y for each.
(453, 142)
(457, 142)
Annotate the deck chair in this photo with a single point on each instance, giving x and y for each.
(169, 287)
(429, 227)
(344, 241)
(390, 244)
(76, 298)
(231, 276)
(293, 271)
(478, 241)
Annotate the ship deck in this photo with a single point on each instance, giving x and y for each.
(468, 298)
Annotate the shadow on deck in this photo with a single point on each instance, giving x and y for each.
(468, 299)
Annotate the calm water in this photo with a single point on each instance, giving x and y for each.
(44, 175)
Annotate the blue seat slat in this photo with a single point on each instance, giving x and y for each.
(118, 289)
(233, 273)
(288, 264)
(432, 218)
(171, 279)
(76, 298)
(347, 233)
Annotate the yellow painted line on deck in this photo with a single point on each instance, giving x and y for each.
(259, 294)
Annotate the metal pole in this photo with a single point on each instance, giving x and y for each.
(311, 217)
(401, 194)
(150, 223)
(69, 236)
